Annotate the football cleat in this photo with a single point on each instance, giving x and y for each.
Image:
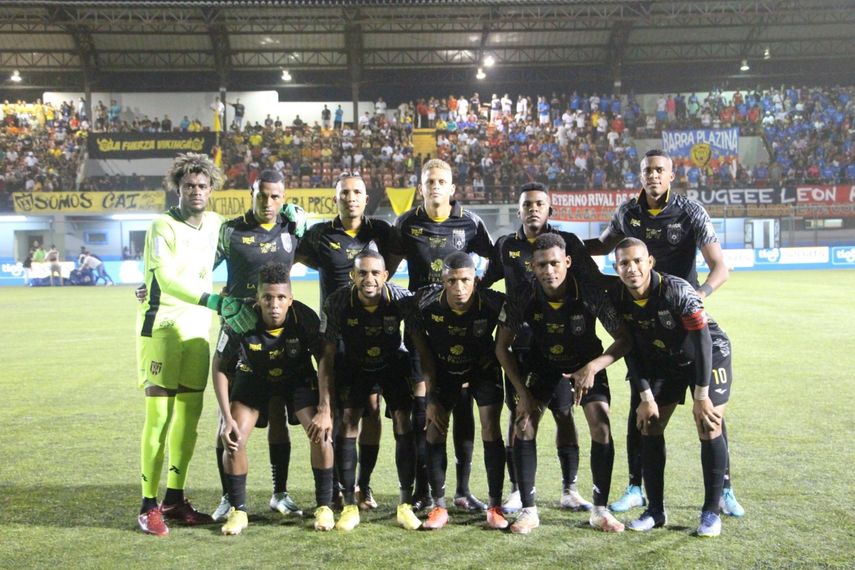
(710, 525)
(648, 521)
(572, 500)
(425, 502)
(496, 519)
(222, 510)
(151, 522)
(235, 523)
(365, 499)
(324, 518)
(526, 522)
(407, 518)
(603, 520)
(284, 504)
(469, 503)
(513, 503)
(185, 513)
(632, 497)
(729, 505)
(349, 518)
(437, 519)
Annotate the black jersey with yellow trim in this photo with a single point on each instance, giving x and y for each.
(246, 245)
(425, 242)
(512, 255)
(330, 249)
(660, 325)
(371, 336)
(563, 334)
(275, 355)
(673, 235)
(460, 342)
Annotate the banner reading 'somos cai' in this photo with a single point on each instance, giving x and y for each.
(88, 202)
(148, 145)
(318, 202)
(702, 145)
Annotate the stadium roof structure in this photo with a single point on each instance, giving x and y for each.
(200, 45)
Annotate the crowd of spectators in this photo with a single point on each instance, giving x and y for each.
(567, 141)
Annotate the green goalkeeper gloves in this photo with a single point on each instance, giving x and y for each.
(297, 215)
(237, 313)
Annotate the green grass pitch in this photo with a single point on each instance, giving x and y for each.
(72, 416)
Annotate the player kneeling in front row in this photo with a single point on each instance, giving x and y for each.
(561, 310)
(676, 345)
(366, 319)
(274, 359)
(452, 328)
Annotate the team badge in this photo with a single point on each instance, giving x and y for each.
(286, 242)
(577, 324)
(373, 352)
(352, 322)
(667, 319)
(659, 344)
(156, 367)
(391, 325)
(456, 350)
(556, 349)
(275, 372)
(275, 353)
(292, 347)
(479, 327)
(674, 233)
(458, 239)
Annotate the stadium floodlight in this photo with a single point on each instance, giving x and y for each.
(480, 74)
(767, 54)
(286, 76)
(489, 61)
(744, 66)
(133, 217)
(16, 76)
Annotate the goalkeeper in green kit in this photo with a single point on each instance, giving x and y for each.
(173, 327)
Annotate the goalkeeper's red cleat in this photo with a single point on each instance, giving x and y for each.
(151, 522)
(185, 513)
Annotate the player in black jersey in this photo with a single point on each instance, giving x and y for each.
(427, 234)
(364, 319)
(245, 244)
(561, 310)
(331, 247)
(511, 261)
(676, 345)
(451, 326)
(674, 229)
(274, 360)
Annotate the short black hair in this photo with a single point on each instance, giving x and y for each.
(657, 152)
(548, 241)
(268, 176)
(532, 187)
(369, 254)
(629, 242)
(457, 260)
(273, 273)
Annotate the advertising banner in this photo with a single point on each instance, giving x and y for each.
(148, 145)
(48, 203)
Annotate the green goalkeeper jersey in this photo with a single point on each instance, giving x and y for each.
(178, 266)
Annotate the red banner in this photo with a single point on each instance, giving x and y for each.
(588, 205)
(825, 194)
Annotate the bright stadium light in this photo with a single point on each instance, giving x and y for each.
(286, 76)
(480, 74)
(744, 66)
(767, 54)
(16, 76)
(489, 61)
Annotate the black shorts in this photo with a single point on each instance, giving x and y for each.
(671, 387)
(353, 387)
(521, 354)
(485, 384)
(256, 394)
(549, 386)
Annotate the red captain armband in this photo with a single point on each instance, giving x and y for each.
(696, 321)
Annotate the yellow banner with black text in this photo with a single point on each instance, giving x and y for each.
(317, 202)
(49, 203)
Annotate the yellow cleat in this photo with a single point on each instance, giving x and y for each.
(407, 518)
(324, 518)
(235, 523)
(349, 519)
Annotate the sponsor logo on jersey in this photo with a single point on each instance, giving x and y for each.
(352, 253)
(456, 331)
(634, 222)
(458, 239)
(436, 266)
(391, 325)
(255, 346)
(480, 327)
(577, 325)
(292, 347)
(335, 245)
(275, 372)
(352, 322)
(416, 232)
(674, 233)
(437, 318)
(243, 367)
(436, 242)
(155, 367)
(555, 328)
(275, 353)
(268, 247)
(247, 240)
(373, 331)
(373, 352)
(556, 349)
(513, 254)
(456, 350)
(538, 316)
(652, 233)
(667, 319)
(659, 344)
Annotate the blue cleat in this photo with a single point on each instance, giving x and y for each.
(710, 524)
(648, 521)
(729, 505)
(632, 497)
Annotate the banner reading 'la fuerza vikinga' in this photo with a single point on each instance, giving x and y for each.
(148, 145)
(702, 145)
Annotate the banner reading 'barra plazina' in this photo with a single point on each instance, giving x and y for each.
(148, 145)
(702, 145)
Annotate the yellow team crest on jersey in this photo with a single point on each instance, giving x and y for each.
(556, 349)
(275, 353)
(275, 372)
(456, 350)
(373, 352)
(659, 344)
(352, 322)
